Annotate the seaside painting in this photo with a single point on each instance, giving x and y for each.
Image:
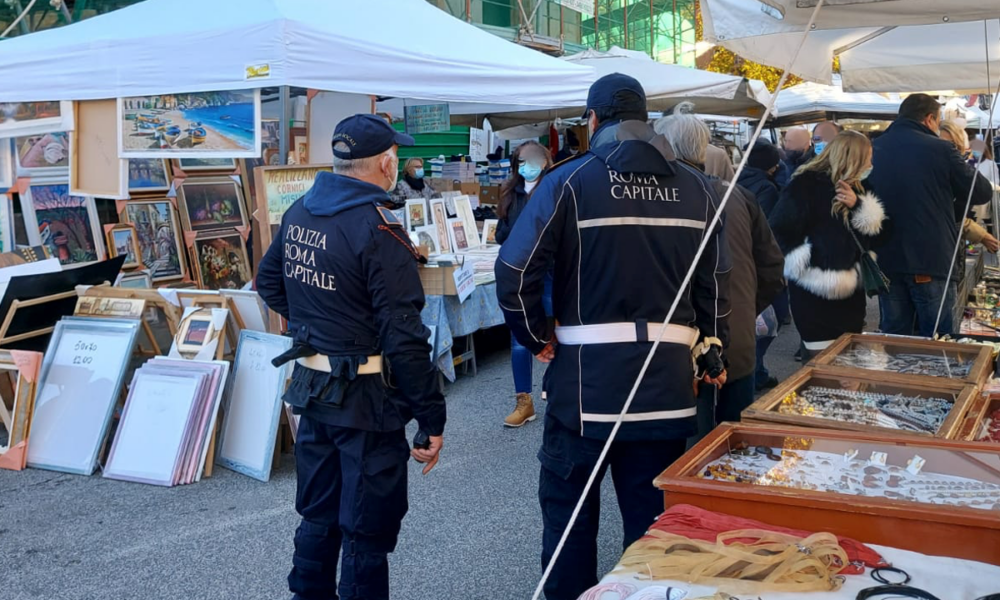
(197, 125)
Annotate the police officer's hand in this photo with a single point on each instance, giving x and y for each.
(548, 352)
(430, 456)
(717, 381)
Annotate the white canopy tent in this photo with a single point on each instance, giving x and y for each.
(403, 48)
(665, 85)
(975, 117)
(814, 101)
(883, 45)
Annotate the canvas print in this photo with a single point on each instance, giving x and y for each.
(441, 225)
(222, 262)
(490, 232)
(122, 240)
(148, 175)
(214, 203)
(459, 235)
(65, 224)
(46, 154)
(23, 118)
(196, 125)
(207, 164)
(416, 214)
(159, 237)
(197, 332)
(427, 236)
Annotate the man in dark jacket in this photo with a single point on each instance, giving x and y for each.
(758, 174)
(798, 151)
(923, 184)
(621, 224)
(343, 273)
(755, 280)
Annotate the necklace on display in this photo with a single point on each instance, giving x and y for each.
(911, 413)
(875, 357)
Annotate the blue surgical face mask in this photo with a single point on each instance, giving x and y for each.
(529, 171)
(978, 155)
(418, 174)
(864, 174)
(820, 146)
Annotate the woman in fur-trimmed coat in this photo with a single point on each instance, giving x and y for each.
(813, 220)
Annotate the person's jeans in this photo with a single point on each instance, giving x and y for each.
(911, 308)
(520, 357)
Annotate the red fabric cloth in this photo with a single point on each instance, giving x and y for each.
(699, 524)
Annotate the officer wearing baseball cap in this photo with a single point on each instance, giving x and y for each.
(619, 226)
(343, 273)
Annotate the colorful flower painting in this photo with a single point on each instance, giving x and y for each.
(211, 203)
(223, 263)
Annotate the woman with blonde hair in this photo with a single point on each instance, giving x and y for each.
(972, 231)
(412, 185)
(820, 220)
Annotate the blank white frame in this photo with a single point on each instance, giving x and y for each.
(251, 308)
(155, 427)
(72, 414)
(253, 407)
(6, 164)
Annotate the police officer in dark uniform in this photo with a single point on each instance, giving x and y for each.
(343, 272)
(621, 224)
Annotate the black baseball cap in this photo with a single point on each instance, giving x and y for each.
(602, 92)
(366, 135)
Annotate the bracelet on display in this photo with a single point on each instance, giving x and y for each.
(895, 411)
(899, 591)
(877, 575)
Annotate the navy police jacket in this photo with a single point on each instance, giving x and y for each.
(621, 224)
(346, 280)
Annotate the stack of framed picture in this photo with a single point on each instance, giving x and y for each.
(430, 225)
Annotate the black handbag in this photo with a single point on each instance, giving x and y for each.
(872, 277)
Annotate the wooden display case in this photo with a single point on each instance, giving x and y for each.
(975, 361)
(980, 409)
(772, 407)
(912, 522)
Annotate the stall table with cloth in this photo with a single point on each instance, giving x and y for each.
(453, 319)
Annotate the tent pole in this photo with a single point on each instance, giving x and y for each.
(23, 23)
(285, 109)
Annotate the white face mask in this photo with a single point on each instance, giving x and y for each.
(394, 169)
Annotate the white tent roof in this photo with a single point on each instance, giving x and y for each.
(665, 86)
(404, 48)
(883, 45)
(812, 97)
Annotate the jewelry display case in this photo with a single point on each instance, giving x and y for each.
(927, 495)
(928, 360)
(982, 421)
(856, 400)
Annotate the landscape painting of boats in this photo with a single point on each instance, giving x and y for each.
(198, 125)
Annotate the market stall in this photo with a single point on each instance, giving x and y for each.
(811, 102)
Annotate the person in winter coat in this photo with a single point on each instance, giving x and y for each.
(412, 185)
(972, 231)
(758, 174)
(530, 162)
(798, 151)
(822, 217)
(754, 281)
(920, 178)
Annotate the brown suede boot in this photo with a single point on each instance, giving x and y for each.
(523, 412)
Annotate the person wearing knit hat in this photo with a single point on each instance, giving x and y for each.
(758, 174)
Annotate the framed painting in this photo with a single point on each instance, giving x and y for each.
(123, 241)
(221, 261)
(460, 237)
(148, 175)
(67, 225)
(209, 203)
(416, 214)
(196, 331)
(253, 409)
(138, 280)
(301, 150)
(222, 124)
(490, 232)
(439, 217)
(81, 377)
(43, 155)
(463, 210)
(32, 118)
(192, 165)
(427, 236)
(6, 165)
(158, 232)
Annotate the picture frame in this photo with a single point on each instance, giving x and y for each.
(23, 384)
(460, 238)
(427, 236)
(33, 118)
(43, 155)
(490, 232)
(211, 203)
(212, 124)
(123, 239)
(7, 227)
(195, 332)
(250, 307)
(196, 165)
(221, 261)
(253, 406)
(7, 178)
(81, 377)
(301, 150)
(439, 217)
(463, 210)
(158, 232)
(68, 225)
(93, 169)
(416, 214)
(149, 175)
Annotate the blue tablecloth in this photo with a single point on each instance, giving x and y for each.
(454, 319)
